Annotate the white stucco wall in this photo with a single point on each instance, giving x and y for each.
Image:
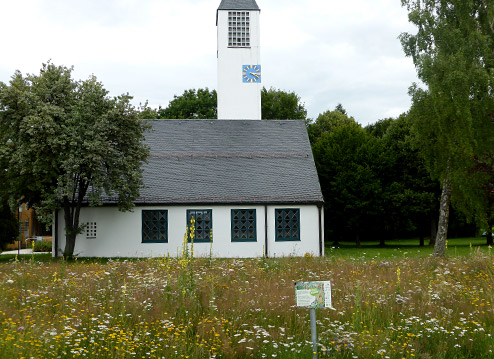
(119, 233)
(236, 99)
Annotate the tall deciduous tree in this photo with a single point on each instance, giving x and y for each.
(328, 121)
(146, 112)
(453, 54)
(192, 104)
(66, 142)
(409, 194)
(348, 162)
(281, 105)
(202, 104)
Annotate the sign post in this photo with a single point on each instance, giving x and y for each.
(313, 295)
(313, 332)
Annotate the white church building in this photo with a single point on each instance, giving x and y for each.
(251, 185)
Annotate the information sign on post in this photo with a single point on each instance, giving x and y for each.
(313, 295)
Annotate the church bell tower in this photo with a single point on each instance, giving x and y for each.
(239, 60)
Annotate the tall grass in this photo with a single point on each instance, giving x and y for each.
(237, 308)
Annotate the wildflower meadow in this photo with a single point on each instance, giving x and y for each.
(190, 307)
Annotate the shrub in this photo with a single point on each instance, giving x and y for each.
(42, 247)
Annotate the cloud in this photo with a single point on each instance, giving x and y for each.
(327, 52)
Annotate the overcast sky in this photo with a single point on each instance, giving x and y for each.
(326, 51)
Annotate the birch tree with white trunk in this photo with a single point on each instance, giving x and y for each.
(453, 52)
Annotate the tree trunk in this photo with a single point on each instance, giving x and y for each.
(71, 215)
(490, 222)
(489, 233)
(70, 232)
(442, 230)
(382, 241)
(72, 210)
(69, 245)
(357, 241)
(422, 240)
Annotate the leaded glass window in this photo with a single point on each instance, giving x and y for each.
(155, 226)
(238, 29)
(243, 225)
(287, 224)
(203, 223)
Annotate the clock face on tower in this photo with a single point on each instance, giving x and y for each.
(251, 73)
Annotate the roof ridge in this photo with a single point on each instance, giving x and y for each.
(233, 155)
(238, 5)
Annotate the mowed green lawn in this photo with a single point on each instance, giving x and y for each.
(397, 248)
(405, 248)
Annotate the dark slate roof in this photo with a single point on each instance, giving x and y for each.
(238, 5)
(229, 161)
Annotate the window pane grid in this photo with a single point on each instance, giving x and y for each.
(244, 225)
(203, 223)
(238, 29)
(91, 230)
(288, 224)
(155, 226)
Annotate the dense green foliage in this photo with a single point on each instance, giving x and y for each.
(281, 105)
(146, 112)
(202, 104)
(328, 121)
(66, 142)
(485, 168)
(41, 246)
(410, 196)
(192, 104)
(374, 183)
(8, 225)
(347, 161)
(453, 52)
